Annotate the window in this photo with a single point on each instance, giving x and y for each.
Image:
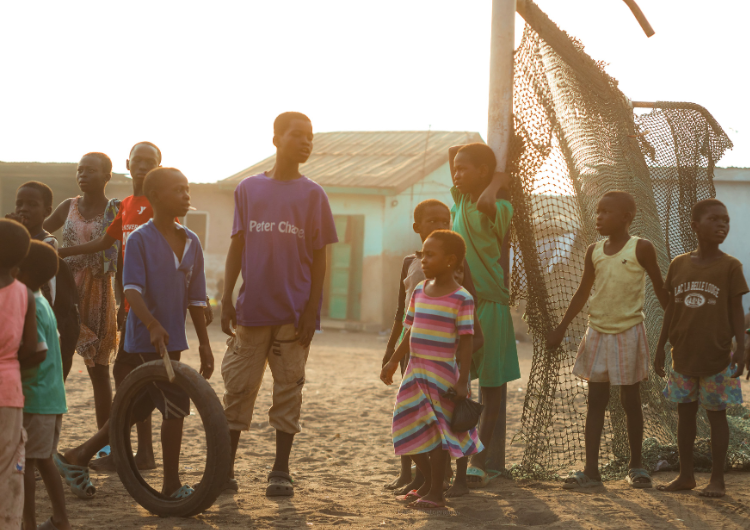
(198, 223)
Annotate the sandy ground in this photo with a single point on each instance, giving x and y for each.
(344, 456)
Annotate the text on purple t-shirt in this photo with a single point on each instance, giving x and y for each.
(282, 222)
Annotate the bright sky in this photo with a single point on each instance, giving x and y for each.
(204, 80)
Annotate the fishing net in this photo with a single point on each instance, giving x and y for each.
(577, 137)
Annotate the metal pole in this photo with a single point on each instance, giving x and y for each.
(499, 131)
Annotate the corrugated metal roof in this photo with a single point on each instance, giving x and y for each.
(388, 160)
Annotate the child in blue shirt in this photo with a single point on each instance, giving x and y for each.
(43, 392)
(163, 279)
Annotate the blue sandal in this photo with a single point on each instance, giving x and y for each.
(77, 477)
(184, 492)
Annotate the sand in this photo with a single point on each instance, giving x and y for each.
(344, 456)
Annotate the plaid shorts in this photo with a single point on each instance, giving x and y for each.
(713, 392)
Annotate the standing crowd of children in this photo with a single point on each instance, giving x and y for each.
(452, 324)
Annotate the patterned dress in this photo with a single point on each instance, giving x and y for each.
(422, 415)
(97, 343)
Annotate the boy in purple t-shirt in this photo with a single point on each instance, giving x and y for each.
(282, 224)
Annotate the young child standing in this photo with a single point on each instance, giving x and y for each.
(134, 211)
(17, 344)
(44, 393)
(440, 323)
(704, 312)
(33, 205)
(429, 215)
(82, 219)
(482, 215)
(614, 350)
(164, 279)
(278, 309)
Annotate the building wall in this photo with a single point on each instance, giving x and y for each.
(733, 189)
(371, 207)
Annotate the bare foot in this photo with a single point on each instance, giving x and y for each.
(713, 490)
(145, 463)
(458, 489)
(106, 464)
(678, 484)
(414, 485)
(398, 483)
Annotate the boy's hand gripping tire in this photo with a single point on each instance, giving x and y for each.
(218, 458)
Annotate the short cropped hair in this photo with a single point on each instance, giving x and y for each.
(700, 208)
(154, 179)
(422, 207)
(452, 242)
(284, 120)
(624, 199)
(40, 264)
(481, 154)
(104, 160)
(44, 190)
(158, 151)
(14, 243)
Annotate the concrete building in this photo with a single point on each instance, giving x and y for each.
(373, 181)
(733, 189)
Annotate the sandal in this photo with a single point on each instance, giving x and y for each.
(411, 496)
(279, 484)
(184, 492)
(579, 480)
(422, 504)
(639, 473)
(484, 478)
(77, 477)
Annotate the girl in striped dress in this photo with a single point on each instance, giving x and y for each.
(440, 323)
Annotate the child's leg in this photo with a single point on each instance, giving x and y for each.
(415, 483)
(459, 487)
(424, 466)
(171, 441)
(492, 399)
(630, 397)
(404, 476)
(719, 446)
(597, 407)
(54, 485)
(438, 456)
(29, 493)
(100, 380)
(686, 431)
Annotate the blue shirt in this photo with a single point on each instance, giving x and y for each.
(168, 285)
(282, 223)
(43, 386)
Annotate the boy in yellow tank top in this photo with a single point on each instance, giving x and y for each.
(614, 350)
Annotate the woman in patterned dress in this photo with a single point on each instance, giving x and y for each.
(440, 321)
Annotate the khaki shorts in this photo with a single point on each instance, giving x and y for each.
(12, 463)
(244, 363)
(43, 432)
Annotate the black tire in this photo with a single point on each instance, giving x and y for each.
(218, 459)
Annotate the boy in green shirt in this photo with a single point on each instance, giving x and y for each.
(43, 392)
(482, 215)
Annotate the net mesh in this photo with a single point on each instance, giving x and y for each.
(577, 137)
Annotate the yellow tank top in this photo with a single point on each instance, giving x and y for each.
(620, 286)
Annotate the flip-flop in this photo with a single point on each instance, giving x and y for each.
(636, 473)
(422, 504)
(77, 477)
(49, 524)
(477, 472)
(184, 492)
(580, 481)
(280, 484)
(104, 451)
(411, 496)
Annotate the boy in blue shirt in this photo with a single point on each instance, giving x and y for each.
(163, 278)
(43, 392)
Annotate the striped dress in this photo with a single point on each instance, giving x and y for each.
(422, 415)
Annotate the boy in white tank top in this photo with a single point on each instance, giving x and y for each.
(614, 349)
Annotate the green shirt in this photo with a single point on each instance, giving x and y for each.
(484, 238)
(43, 386)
